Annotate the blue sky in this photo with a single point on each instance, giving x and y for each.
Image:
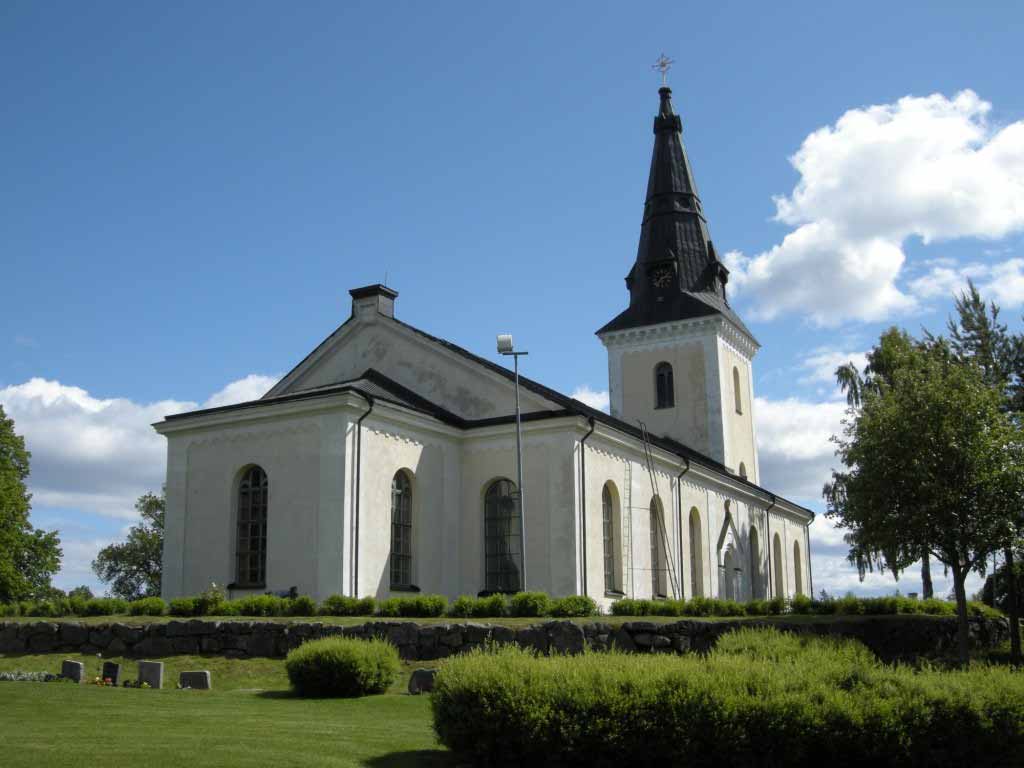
(190, 190)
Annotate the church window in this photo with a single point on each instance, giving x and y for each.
(657, 550)
(736, 389)
(755, 566)
(503, 554)
(780, 586)
(664, 387)
(798, 574)
(696, 560)
(743, 470)
(251, 543)
(401, 530)
(610, 528)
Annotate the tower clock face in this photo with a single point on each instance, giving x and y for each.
(661, 277)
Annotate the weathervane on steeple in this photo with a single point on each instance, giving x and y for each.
(663, 65)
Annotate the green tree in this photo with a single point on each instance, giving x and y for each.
(132, 568)
(894, 349)
(28, 557)
(998, 585)
(932, 462)
(977, 336)
(83, 592)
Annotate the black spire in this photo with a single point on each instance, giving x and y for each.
(677, 273)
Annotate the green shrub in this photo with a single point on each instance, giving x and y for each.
(758, 608)
(210, 601)
(9, 609)
(147, 606)
(421, 606)
(105, 606)
(342, 666)
(760, 698)
(801, 604)
(478, 607)
(303, 605)
(341, 605)
(573, 605)
(262, 605)
(529, 604)
(936, 607)
(183, 606)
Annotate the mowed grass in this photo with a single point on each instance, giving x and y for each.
(250, 718)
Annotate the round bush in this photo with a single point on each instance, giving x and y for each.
(342, 666)
(529, 604)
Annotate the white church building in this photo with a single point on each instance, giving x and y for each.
(385, 462)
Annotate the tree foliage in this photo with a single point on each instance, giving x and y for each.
(932, 464)
(28, 557)
(132, 568)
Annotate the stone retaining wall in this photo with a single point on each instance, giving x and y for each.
(890, 637)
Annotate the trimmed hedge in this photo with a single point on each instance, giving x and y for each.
(147, 606)
(799, 605)
(760, 698)
(340, 605)
(342, 666)
(419, 607)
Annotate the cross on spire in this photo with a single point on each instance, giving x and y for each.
(663, 65)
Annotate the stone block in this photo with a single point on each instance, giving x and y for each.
(533, 637)
(403, 634)
(196, 680)
(185, 645)
(565, 637)
(477, 633)
(117, 647)
(112, 672)
(622, 640)
(422, 681)
(681, 643)
(152, 672)
(176, 628)
(503, 634)
(42, 643)
(450, 637)
(129, 634)
(210, 645)
(73, 670)
(73, 634)
(101, 637)
(153, 646)
(9, 640)
(262, 644)
(199, 627)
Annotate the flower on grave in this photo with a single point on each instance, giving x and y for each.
(144, 685)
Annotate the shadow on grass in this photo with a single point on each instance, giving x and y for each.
(281, 693)
(413, 757)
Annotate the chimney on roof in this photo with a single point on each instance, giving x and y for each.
(373, 300)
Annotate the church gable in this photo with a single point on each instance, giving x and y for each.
(435, 370)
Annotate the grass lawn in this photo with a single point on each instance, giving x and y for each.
(248, 719)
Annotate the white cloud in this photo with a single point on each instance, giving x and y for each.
(820, 365)
(928, 167)
(793, 439)
(252, 387)
(99, 455)
(594, 398)
(1002, 283)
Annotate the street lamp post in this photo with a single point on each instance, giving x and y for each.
(505, 347)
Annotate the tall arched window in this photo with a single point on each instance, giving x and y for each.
(798, 572)
(736, 389)
(610, 532)
(401, 530)
(743, 470)
(755, 565)
(696, 560)
(503, 552)
(780, 565)
(251, 529)
(657, 550)
(664, 387)
(729, 566)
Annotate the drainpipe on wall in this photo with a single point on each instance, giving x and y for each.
(583, 500)
(359, 462)
(770, 543)
(679, 515)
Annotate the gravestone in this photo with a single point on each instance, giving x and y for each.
(111, 672)
(73, 670)
(197, 680)
(152, 672)
(422, 681)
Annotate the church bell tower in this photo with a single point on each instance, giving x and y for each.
(679, 358)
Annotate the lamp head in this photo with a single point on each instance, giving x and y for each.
(505, 344)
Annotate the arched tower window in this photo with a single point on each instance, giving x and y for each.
(798, 574)
(503, 552)
(780, 564)
(729, 566)
(401, 530)
(658, 561)
(743, 470)
(756, 588)
(696, 560)
(736, 389)
(251, 529)
(610, 532)
(664, 386)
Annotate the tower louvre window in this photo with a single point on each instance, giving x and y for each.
(664, 387)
